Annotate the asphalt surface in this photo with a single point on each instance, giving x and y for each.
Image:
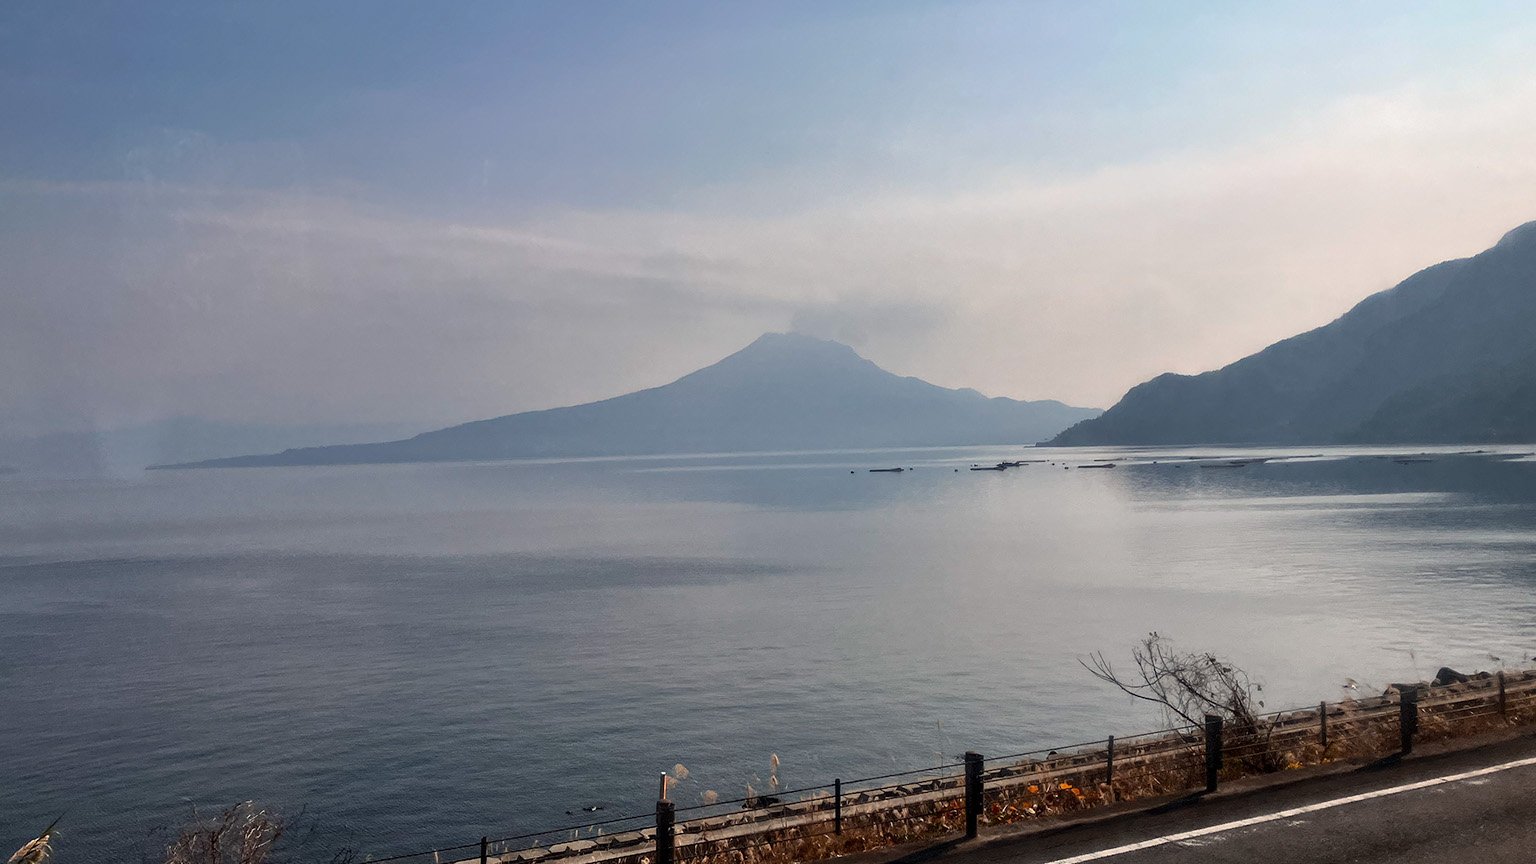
(1489, 818)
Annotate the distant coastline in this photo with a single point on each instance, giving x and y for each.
(785, 391)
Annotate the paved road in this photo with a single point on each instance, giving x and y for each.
(1477, 805)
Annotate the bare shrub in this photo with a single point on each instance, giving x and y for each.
(1190, 685)
(242, 834)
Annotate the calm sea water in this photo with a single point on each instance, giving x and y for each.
(414, 656)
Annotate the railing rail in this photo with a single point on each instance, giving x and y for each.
(962, 796)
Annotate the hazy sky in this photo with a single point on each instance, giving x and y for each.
(317, 213)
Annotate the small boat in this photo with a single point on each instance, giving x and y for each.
(1099, 465)
(886, 470)
(991, 468)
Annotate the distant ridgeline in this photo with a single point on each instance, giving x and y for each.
(782, 392)
(1447, 356)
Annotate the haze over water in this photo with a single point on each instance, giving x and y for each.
(422, 654)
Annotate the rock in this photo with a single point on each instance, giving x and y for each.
(1447, 675)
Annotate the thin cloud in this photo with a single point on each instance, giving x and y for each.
(280, 306)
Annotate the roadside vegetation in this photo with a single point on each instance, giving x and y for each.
(1188, 686)
(776, 825)
(241, 834)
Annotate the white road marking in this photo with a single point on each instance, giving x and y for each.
(1186, 836)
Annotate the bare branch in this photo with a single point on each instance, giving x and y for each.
(242, 834)
(1188, 686)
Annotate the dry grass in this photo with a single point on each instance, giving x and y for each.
(242, 834)
(1146, 769)
(872, 829)
(36, 850)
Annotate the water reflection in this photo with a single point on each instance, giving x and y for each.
(416, 652)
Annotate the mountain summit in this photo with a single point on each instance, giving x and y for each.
(785, 391)
(1444, 357)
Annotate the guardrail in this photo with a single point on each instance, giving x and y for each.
(959, 798)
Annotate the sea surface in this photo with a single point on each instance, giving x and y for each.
(402, 657)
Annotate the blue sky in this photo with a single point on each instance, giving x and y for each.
(604, 104)
(430, 212)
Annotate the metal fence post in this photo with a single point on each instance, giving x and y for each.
(1212, 751)
(1109, 765)
(837, 806)
(973, 765)
(483, 850)
(1322, 724)
(1408, 716)
(666, 814)
(1503, 699)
